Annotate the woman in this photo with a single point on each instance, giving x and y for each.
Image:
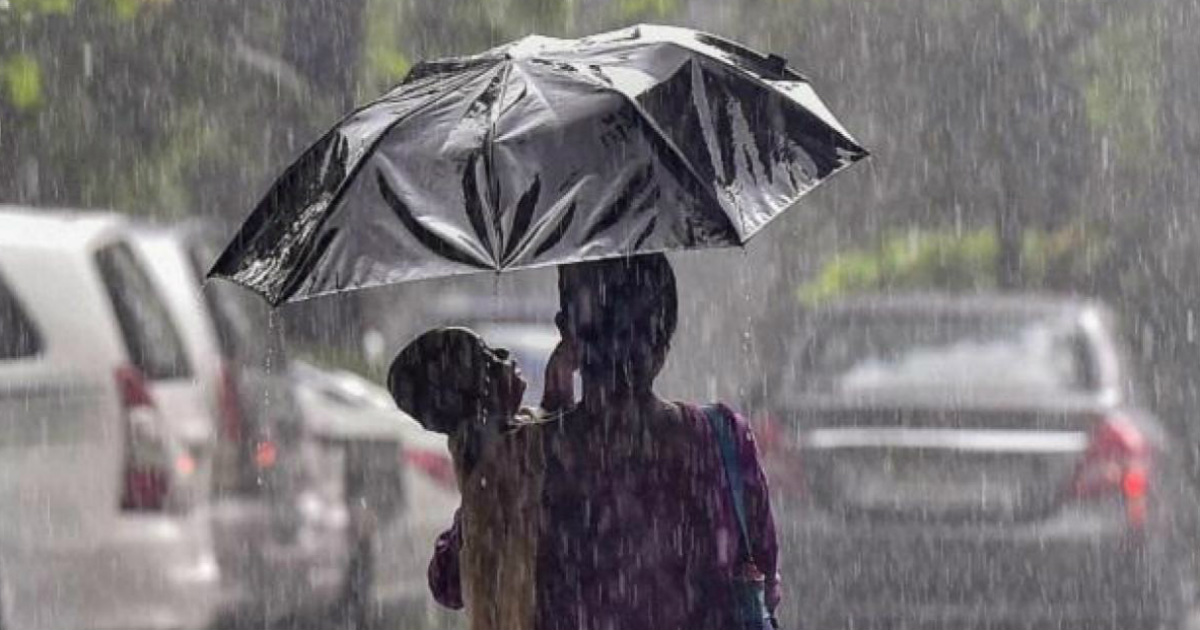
(633, 523)
(645, 535)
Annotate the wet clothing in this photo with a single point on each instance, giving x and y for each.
(637, 534)
(490, 559)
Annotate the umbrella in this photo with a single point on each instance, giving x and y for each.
(541, 152)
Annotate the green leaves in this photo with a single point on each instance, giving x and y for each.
(43, 7)
(1121, 72)
(631, 10)
(949, 261)
(385, 62)
(21, 80)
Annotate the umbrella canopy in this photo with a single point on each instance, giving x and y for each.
(544, 151)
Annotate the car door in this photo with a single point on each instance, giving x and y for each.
(59, 454)
(54, 444)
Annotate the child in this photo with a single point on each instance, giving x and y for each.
(452, 382)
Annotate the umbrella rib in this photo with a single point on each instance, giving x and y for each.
(679, 154)
(765, 84)
(493, 179)
(367, 153)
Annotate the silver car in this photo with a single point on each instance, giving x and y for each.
(972, 462)
(400, 487)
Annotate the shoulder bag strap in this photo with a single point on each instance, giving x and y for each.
(733, 471)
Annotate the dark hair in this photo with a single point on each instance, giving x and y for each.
(639, 290)
(424, 377)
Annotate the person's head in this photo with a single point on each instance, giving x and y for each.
(621, 315)
(449, 375)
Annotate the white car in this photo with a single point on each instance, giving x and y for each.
(402, 480)
(101, 523)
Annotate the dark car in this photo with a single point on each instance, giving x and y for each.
(971, 462)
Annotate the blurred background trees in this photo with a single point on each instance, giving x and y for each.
(1028, 144)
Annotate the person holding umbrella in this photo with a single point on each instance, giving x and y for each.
(618, 512)
(643, 527)
(614, 147)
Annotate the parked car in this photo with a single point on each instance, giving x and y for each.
(278, 507)
(971, 461)
(401, 488)
(189, 404)
(101, 509)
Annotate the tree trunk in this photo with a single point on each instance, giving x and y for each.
(1008, 236)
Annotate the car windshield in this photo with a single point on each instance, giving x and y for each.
(911, 352)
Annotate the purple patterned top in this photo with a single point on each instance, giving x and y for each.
(640, 534)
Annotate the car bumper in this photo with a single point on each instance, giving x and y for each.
(1077, 570)
(275, 562)
(150, 574)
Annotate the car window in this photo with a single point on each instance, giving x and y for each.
(911, 353)
(19, 337)
(150, 335)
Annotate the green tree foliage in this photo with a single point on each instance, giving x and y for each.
(27, 8)
(635, 10)
(919, 260)
(21, 77)
(160, 107)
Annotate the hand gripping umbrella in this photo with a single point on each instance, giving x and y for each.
(541, 152)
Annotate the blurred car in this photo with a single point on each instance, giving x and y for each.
(401, 488)
(975, 461)
(101, 510)
(189, 404)
(278, 509)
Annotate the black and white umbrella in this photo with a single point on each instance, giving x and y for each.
(542, 152)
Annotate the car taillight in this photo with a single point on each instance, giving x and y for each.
(147, 471)
(266, 454)
(230, 407)
(1116, 463)
(435, 465)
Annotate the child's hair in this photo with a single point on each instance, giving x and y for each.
(440, 378)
